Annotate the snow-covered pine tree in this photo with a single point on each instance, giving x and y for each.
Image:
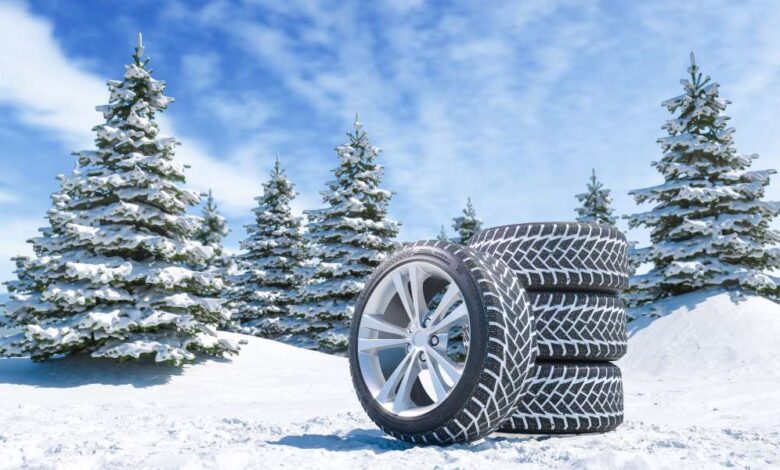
(596, 203)
(214, 227)
(710, 226)
(468, 224)
(350, 236)
(9, 345)
(269, 265)
(117, 272)
(442, 236)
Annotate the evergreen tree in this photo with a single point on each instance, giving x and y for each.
(468, 224)
(212, 230)
(273, 254)
(214, 226)
(350, 236)
(596, 203)
(117, 272)
(442, 236)
(710, 226)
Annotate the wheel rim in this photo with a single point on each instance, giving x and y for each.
(413, 339)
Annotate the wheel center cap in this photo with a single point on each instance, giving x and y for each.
(419, 339)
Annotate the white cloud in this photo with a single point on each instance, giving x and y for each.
(7, 197)
(47, 89)
(201, 69)
(444, 98)
(244, 112)
(41, 81)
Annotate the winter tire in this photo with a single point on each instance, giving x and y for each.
(570, 398)
(441, 344)
(579, 326)
(560, 255)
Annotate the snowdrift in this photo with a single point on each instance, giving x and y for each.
(710, 359)
(268, 380)
(706, 334)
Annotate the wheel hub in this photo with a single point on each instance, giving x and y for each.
(402, 338)
(419, 339)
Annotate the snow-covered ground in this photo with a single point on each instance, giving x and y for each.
(702, 384)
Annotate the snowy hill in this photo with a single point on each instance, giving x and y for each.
(711, 358)
(708, 333)
(702, 390)
(251, 385)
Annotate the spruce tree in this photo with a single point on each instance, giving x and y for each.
(596, 203)
(212, 230)
(117, 272)
(214, 226)
(270, 265)
(350, 236)
(710, 226)
(468, 224)
(442, 236)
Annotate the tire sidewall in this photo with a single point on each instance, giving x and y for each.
(464, 390)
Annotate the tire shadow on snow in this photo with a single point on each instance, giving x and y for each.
(81, 369)
(377, 441)
(358, 439)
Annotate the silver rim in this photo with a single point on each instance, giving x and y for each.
(413, 339)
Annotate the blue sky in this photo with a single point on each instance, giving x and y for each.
(511, 103)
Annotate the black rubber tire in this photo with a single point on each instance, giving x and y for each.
(560, 255)
(579, 326)
(570, 398)
(501, 348)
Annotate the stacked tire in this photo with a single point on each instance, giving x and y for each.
(515, 332)
(574, 274)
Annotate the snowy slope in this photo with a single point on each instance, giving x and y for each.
(708, 333)
(712, 358)
(250, 385)
(276, 406)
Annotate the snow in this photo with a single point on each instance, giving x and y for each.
(711, 358)
(702, 391)
(267, 381)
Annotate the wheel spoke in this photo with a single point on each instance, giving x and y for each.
(373, 323)
(416, 280)
(459, 314)
(392, 381)
(403, 293)
(403, 397)
(451, 295)
(453, 372)
(439, 386)
(371, 345)
(443, 339)
(401, 353)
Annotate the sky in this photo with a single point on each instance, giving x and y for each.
(509, 103)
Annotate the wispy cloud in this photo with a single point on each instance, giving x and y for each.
(444, 95)
(46, 88)
(41, 82)
(202, 69)
(7, 197)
